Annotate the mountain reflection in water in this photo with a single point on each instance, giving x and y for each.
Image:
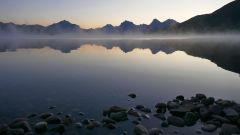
(221, 52)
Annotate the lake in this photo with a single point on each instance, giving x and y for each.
(83, 75)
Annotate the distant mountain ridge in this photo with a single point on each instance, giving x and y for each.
(222, 20)
(64, 26)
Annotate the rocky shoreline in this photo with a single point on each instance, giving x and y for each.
(213, 115)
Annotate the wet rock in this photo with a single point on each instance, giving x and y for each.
(125, 133)
(45, 115)
(78, 125)
(139, 107)
(51, 107)
(209, 127)
(53, 120)
(132, 95)
(86, 121)
(140, 130)
(181, 111)
(228, 129)
(108, 120)
(161, 116)
(190, 118)
(3, 129)
(115, 109)
(176, 121)
(146, 110)
(90, 126)
(208, 101)
(20, 123)
(155, 131)
(41, 127)
(198, 131)
(180, 97)
(216, 109)
(224, 103)
(32, 115)
(96, 123)
(204, 113)
(221, 119)
(201, 96)
(161, 107)
(17, 131)
(60, 128)
(146, 116)
(59, 113)
(230, 113)
(172, 105)
(110, 126)
(133, 112)
(119, 116)
(81, 113)
(214, 122)
(67, 120)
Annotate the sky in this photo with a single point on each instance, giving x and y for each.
(97, 13)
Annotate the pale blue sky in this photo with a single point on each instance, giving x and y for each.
(96, 13)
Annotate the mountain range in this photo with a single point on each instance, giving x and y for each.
(222, 20)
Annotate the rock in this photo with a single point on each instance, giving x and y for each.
(81, 113)
(204, 113)
(161, 116)
(208, 101)
(146, 110)
(181, 111)
(176, 121)
(17, 131)
(164, 124)
(228, 129)
(190, 118)
(221, 119)
(172, 105)
(60, 129)
(132, 95)
(224, 103)
(180, 97)
(59, 113)
(125, 133)
(139, 107)
(21, 123)
(67, 120)
(53, 120)
(78, 125)
(161, 107)
(230, 113)
(115, 109)
(209, 127)
(216, 109)
(140, 130)
(41, 127)
(51, 107)
(214, 122)
(119, 116)
(106, 112)
(3, 129)
(155, 131)
(45, 115)
(146, 116)
(96, 123)
(86, 121)
(32, 115)
(107, 120)
(201, 96)
(90, 126)
(110, 126)
(133, 112)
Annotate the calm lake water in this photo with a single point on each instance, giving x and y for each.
(91, 75)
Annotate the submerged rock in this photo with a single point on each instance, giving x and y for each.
(176, 121)
(140, 130)
(41, 127)
(209, 127)
(53, 120)
(228, 129)
(119, 116)
(132, 95)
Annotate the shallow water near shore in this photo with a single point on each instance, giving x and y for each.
(89, 76)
